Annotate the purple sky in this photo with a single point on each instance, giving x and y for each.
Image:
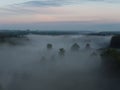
(60, 14)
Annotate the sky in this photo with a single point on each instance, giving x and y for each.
(60, 14)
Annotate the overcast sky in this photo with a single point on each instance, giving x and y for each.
(60, 14)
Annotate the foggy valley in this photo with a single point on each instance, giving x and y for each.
(60, 45)
(39, 62)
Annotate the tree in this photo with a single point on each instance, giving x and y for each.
(61, 51)
(75, 47)
(115, 42)
(87, 45)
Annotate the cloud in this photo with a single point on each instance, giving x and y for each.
(31, 6)
(26, 6)
(41, 3)
(60, 10)
(48, 3)
(53, 3)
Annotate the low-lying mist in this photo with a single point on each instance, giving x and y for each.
(30, 65)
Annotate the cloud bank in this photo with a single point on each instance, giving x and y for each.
(40, 11)
(30, 6)
(54, 3)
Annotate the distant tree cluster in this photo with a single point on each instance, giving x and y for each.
(75, 47)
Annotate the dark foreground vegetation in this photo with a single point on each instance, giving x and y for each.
(13, 33)
(111, 63)
(111, 55)
(13, 37)
(115, 42)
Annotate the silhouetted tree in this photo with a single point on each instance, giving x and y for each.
(115, 42)
(61, 51)
(75, 47)
(87, 46)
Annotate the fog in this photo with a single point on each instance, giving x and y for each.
(30, 65)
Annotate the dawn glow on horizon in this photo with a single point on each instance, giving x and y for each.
(50, 11)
